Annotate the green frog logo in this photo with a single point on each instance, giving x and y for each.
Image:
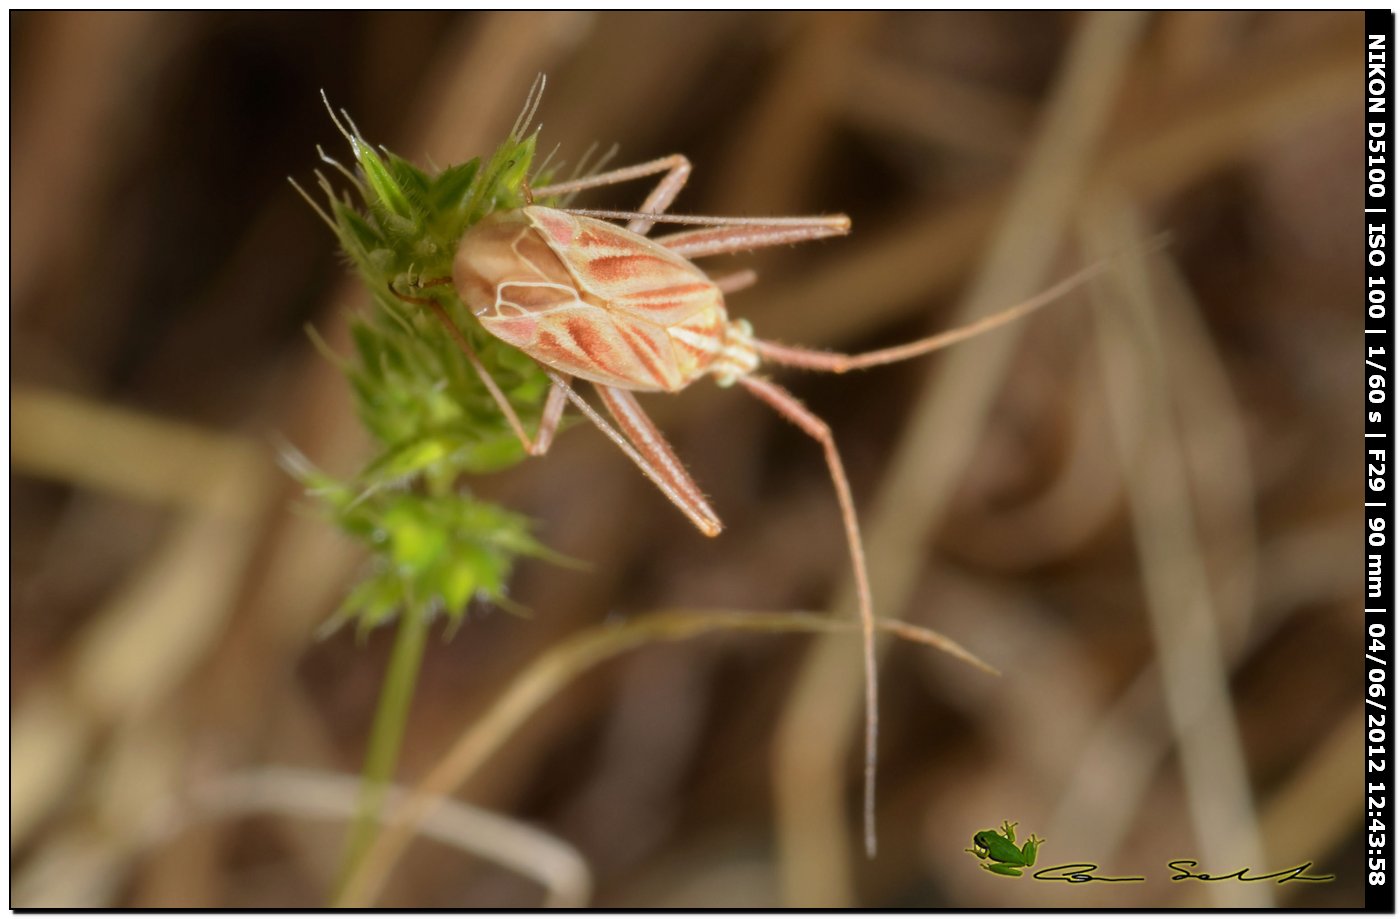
(998, 850)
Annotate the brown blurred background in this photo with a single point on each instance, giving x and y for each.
(1142, 504)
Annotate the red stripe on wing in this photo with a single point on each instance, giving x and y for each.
(616, 270)
(590, 341)
(647, 354)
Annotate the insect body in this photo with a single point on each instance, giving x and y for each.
(597, 302)
(591, 300)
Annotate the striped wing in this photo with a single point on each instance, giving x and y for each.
(662, 320)
(586, 341)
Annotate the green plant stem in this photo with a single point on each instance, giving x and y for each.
(386, 736)
(544, 677)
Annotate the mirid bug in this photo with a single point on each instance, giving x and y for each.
(590, 300)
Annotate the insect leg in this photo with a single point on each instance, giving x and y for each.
(676, 167)
(719, 240)
(549, 421)
(666, 470)
(739, 280)
(811, 359)
(554, 404)
(645, 446)
(790, 408)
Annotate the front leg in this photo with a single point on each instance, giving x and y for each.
(554, 402)
(676, 167)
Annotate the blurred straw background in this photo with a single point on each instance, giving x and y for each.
(1142, 504)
